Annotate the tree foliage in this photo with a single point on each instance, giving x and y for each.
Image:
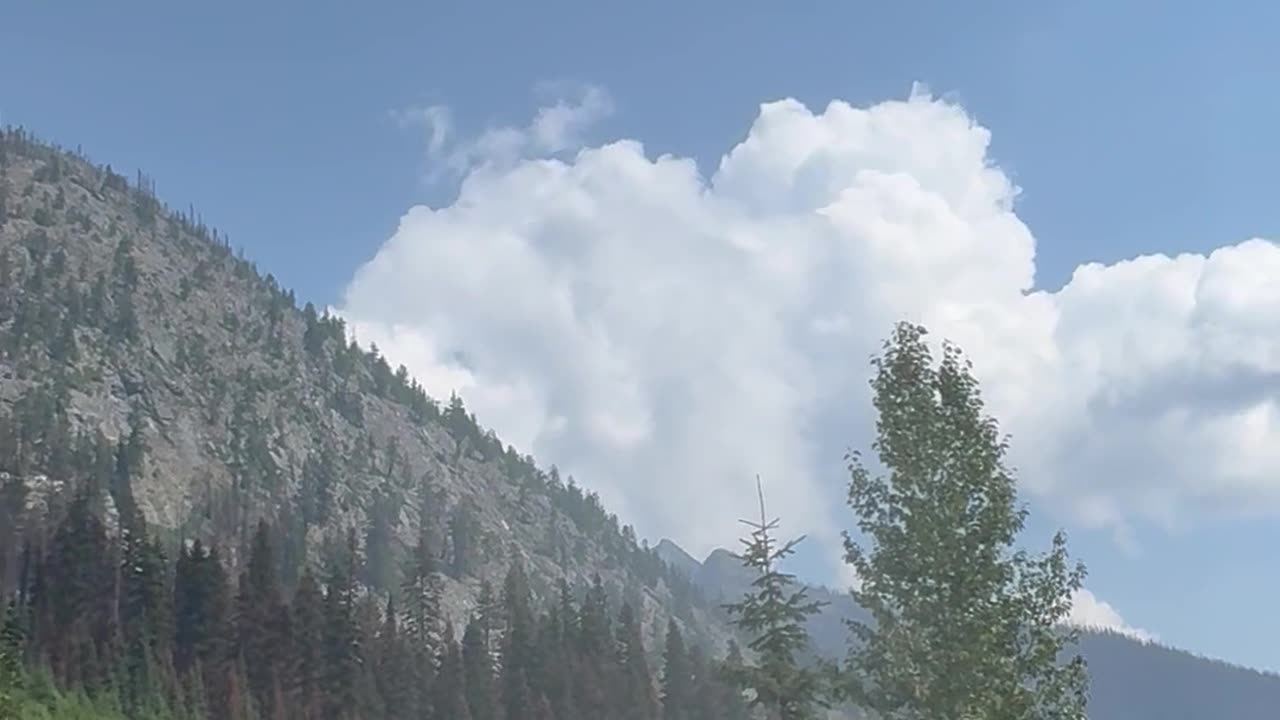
(773, 615)
(963, 623)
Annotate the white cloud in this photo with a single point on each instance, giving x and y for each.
(435, 120)
(1088, 612)
(665, 336)
(555, 129)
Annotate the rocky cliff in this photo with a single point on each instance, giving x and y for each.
(139, 351)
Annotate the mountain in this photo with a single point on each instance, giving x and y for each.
(147, 367)
(1130, 679)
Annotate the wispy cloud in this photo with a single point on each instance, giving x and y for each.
(556, 128)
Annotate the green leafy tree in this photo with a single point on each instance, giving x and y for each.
(963, 625)
(773, 615)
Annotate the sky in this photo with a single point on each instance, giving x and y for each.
(656, 243)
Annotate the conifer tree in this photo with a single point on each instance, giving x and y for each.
(342, 649)
(963, 624)
(773, 615)
(477, 664)
(309, 648)
(598, 678)
(635, 690)
(677, 677)
(490, 619)
(420, 592)
(708, 695)
(517, 645)
(395, 671)
(263, 621)
(724, 676)
(450, 689)
(146, 617)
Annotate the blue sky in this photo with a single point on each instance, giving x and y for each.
(1130, 130)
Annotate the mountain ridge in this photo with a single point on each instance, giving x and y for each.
(1130, 678)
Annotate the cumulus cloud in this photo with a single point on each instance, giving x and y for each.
(1090, 613)
(665, 334)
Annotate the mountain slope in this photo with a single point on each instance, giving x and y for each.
(128, 330)
(1129, 679)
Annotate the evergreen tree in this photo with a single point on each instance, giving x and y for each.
(477, 662)
(264, 622)
(201, 607)
(395, 671)
(146, 617)
(705, 696)
(730, 699)
(635, 691)
(463, 532)
(598, 675)
(677, 677)
(773, 615)
(309, 648)
(517, 645)
(421, 591)
(380, 571)
(490, 616)
(963, 625)
(342, 657)
(450, 689)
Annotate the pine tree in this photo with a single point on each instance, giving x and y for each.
(79, 592)
(309, 648)
(421, 589)
(342, 657)
(598, 677)
(963, 625)
(553, 661)
(369, 621)
(263, 622)
(490, 618)
(395, 672)
(146, 617)
(200, 609)
(450, 689)
(773, 615)
(517, 645)
(706, 694)
(635, 690)
(730, 699)
(677, 677)
(477, 664)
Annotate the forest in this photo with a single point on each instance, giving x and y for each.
(105, 629)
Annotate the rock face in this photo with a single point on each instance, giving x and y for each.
(127, 325)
